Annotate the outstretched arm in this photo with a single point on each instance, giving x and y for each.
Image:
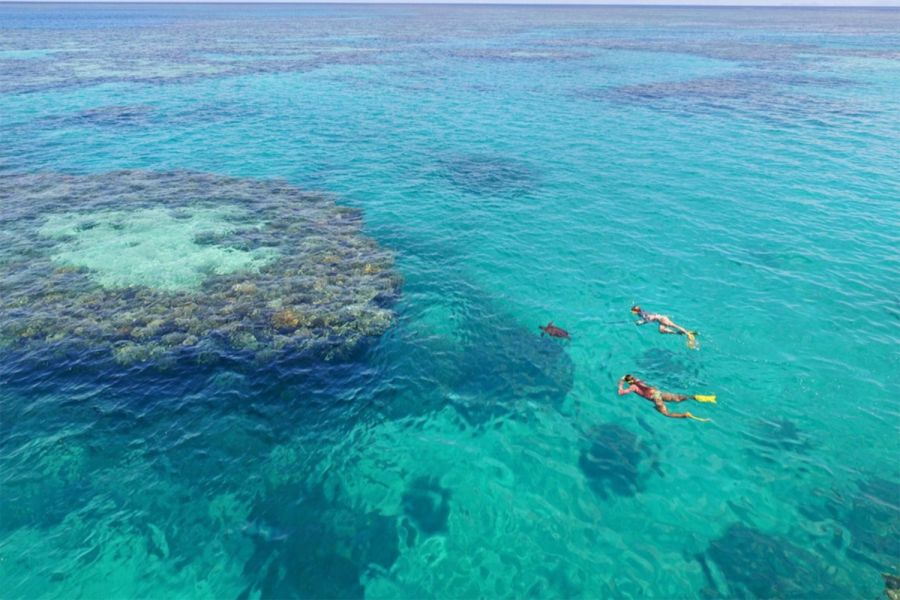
(628, 390)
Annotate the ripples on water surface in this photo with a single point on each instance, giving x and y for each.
(734, 168)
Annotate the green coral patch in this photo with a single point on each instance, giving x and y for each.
(153, 247)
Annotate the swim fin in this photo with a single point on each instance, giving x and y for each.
(709, 398)
(692, 340)
(701, 419)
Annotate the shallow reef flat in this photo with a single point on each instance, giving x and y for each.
(147, 266)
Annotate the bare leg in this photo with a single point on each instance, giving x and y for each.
(667, 397)
(685, 415)
(671, 327)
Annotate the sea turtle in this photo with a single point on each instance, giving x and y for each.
(554, 331)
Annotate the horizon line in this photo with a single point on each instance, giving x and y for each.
(890, 4)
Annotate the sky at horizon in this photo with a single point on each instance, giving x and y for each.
(721, 3)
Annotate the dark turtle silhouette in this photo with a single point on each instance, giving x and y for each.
(554, 331)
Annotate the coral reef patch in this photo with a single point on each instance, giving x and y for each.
(773, 96)
(149, 265)
(891, 586)
(315, 543)
(758, 565)
(864, 520)
(614, 461)
(427, 503)
(774, 437)
(489, 175)
(871, 515)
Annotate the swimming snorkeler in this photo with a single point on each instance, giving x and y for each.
(659, 398)
(666, 325)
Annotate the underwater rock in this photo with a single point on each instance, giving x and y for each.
(776, 436)
(614, 461)
(524, 368)
(891, 586)
(50, 480)
(873, 519)
(179, 264)
(427, 504)
(518, 54)
(757, 565)
(113, 116)
(468, 353)
(758, 94)
(869, 517)
(488, 175)
(315, 546)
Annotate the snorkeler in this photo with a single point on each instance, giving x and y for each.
(666, 325)
(659, 398)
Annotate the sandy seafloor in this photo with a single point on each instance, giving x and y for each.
(734, 168)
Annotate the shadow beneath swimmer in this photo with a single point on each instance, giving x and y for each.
(757, 565)
(614, 462)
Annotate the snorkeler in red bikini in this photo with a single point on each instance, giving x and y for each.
(666, 325)
(659, 398)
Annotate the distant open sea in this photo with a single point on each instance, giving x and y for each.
(271, 278)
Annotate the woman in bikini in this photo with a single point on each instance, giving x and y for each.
(659, 398)
(666, 325)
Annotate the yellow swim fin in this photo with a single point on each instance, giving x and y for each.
(692, 340)
(709, 398)
(690, 416)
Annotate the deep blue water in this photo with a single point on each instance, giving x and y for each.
(213, 384)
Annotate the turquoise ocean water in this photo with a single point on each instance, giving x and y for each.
(737, 169)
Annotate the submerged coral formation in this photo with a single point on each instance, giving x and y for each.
(489, 175)
(614, 461)
(147, 265)
(771, 95)
(872, 517)
(310, 540)
(774, 437)
(456, 336)
(758, 565)
(111, 116)
(427, 503)
(864, 520)
(891, 586)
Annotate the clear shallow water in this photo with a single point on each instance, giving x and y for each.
(736, 169)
